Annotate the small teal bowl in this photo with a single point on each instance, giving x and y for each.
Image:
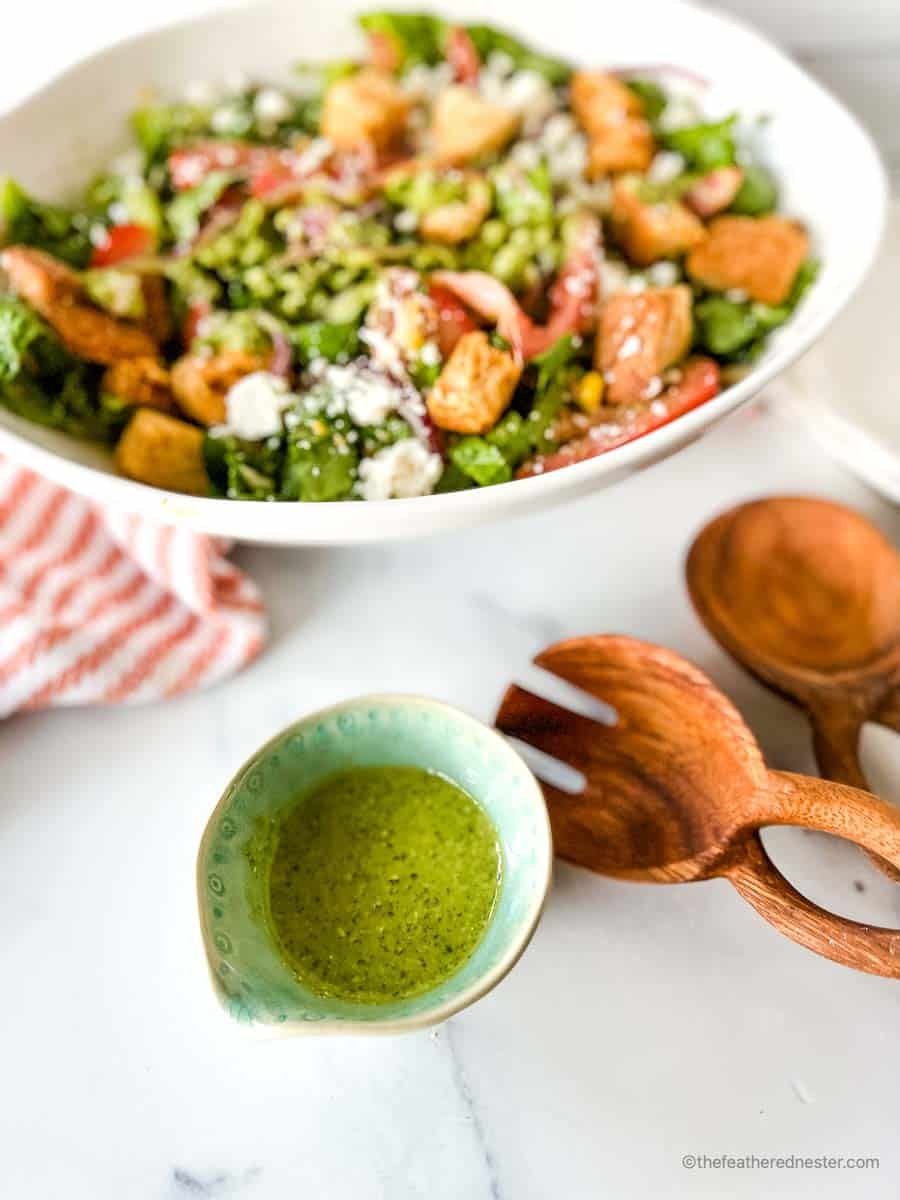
(251, 979)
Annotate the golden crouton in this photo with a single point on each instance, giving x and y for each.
(612, 116)
(201, 382)
(647, 231)
(642, 333)
(475, 387)
(465, 127)
(52, 288)
(599, 99)
(164, 452)
(626, 145)
(140, 381)
(455, 222)
(366, 108)
(758, 255)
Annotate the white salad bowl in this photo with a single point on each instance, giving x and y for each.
(829, 171)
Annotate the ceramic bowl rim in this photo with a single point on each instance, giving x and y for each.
(484, 983)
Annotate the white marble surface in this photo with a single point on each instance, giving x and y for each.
(643, 1024)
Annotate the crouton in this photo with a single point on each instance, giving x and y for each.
(599, 100)
(164, 452)
(201, 382)
(475, 386)
(757, 255)
(646, 231)
(642, 333)
(466, 127)
(624, 146)
(368, 108)
(140, 381)
(619, 139)
(55, 291)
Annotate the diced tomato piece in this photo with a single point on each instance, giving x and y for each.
(384, 52)
(197, 310)
(454, 319)
(123, 242)
(462, 56)
(700, 381)
(271, 179)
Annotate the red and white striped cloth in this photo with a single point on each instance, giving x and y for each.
(106, 608)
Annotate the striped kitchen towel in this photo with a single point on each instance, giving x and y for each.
(99, 607)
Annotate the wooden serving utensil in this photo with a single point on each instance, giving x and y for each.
(806, 595)
(677, 790)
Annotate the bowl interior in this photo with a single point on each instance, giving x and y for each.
(250, 977)
(832, 192)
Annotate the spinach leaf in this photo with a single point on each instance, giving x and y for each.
(244, 470)
(481, 461)
(758, 193)
(453, 480)
(488, 40)
(160, 127)
(41, 381)
(704, 146)
(651, 96)
(420, 38)
(320, 463)
(322, 339)
(50, 227)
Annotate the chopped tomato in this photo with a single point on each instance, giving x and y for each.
(462, 56)
(384, 52)
(271, 179)
(122, 242)
(700, 381)
(197, 311)
(454, 319)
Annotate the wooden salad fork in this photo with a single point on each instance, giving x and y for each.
(676, 790)
(805, 594)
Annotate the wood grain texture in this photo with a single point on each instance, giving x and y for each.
(676, 790)
(806, 595)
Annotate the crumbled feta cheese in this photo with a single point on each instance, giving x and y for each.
(226, 118)
(408, 468)
(681, 110)
(499, 63)
(614, 277)
(254, 405)
(97, 235)
(406, 221)
(525, 93)
(736, 295)
(564, 147)
(666, 166)
(662, 274)
(426, 83)
(631, 346)
(271, 107)
(430, 355)
(367, 397)
(118, 213)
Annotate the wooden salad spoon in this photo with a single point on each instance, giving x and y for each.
(806, 595)
(676, 790)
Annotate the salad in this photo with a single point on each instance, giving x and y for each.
(454, 262)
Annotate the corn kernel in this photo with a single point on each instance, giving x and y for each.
(589, 392)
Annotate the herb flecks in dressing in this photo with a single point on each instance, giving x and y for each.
(383, 882)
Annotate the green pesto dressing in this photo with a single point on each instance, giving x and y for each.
(383, 882)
